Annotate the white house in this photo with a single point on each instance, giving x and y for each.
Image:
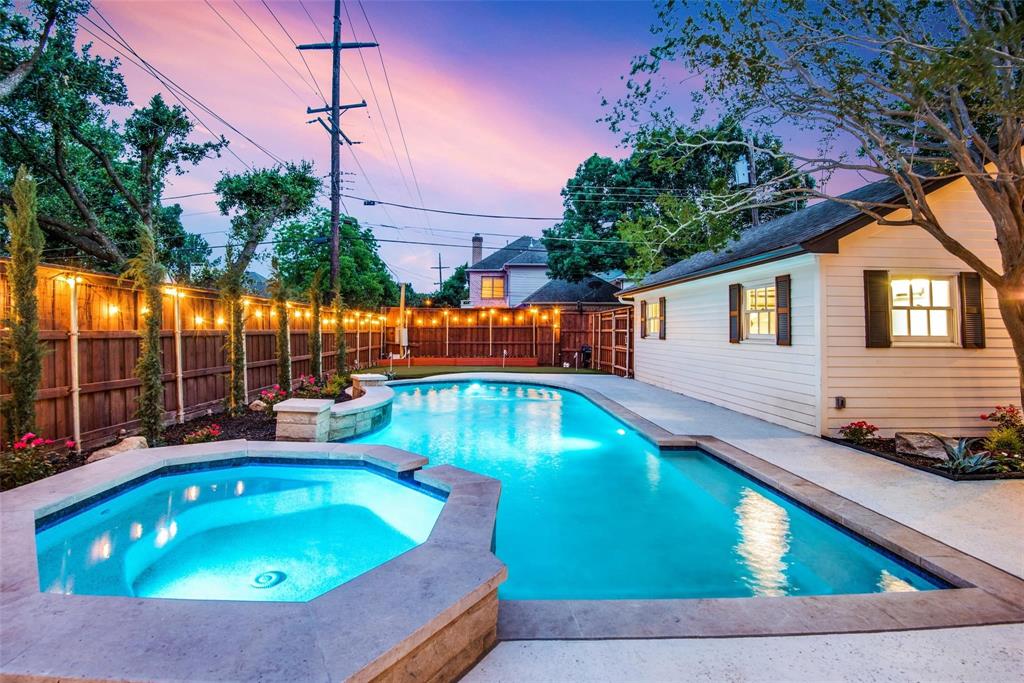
(823, 317)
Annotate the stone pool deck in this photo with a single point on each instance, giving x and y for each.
(983, 519)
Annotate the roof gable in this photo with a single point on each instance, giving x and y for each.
(525, 250)
(590, 290)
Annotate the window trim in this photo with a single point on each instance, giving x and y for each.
(907, 341)
(745, 336)
(490, 279)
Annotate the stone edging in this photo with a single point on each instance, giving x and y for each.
(383, 621)
(321, 420)
(982, 594)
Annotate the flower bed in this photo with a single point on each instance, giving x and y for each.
(886, 448)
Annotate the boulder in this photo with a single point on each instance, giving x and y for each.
(923, 444)
(130, 443)
(258, 406)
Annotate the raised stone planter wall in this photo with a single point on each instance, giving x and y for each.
(304, 419)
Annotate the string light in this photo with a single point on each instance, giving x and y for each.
(112, 309)
(220, 320)
(199, 320)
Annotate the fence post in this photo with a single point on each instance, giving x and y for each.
(245, 357)
(76, 387)
(446, 354)
(490, 334)
(179, 380)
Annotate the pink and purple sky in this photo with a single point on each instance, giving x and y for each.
(498, 102)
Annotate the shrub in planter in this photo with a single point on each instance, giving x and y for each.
(859, 432)
(310, 387)
(28, 459)
(203, 434)
(1004, 440)
(336, 384)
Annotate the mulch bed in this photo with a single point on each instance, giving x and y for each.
(886, 448)
(249, 425)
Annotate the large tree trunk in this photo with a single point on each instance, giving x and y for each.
(1011, 306)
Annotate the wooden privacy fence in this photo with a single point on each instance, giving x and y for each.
(548, 336)
(94, 318)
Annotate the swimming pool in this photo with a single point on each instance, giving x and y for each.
(590, 509)
(258, 532)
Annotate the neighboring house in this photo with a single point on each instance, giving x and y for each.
(823, 317)
(516, 275)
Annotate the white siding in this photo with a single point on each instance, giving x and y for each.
(777, 383)
(524, 281)
(941, 389)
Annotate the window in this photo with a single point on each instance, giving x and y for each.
(492, 287)
(759, 312)
(652, 323)
(922, 309)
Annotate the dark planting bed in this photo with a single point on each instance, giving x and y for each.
(886, 448)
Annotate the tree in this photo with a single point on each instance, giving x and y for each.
(926, 91)
(639, 190)
(454, 289)
(315, 293)
(23, 41)
(303, 246)
(20, 350)
(147, 276)
(279, 297)
(101, 177)
(257, 201)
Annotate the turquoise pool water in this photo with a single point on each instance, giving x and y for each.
(591, 510)
(254, 532)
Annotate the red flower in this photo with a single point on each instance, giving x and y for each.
(37, 441)
(18, 445)
(69, 444)
(28, 436)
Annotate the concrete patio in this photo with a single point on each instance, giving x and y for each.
(983, 519)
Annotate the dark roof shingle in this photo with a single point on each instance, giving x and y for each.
(591, 290)
(790, 230)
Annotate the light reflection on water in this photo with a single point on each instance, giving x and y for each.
(591, 510)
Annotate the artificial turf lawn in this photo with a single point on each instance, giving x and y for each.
(418, 371)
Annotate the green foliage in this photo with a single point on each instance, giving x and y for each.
(651, 209)
(453, 290)
(960, 458)
(336, 384)
(21, 466)
(315, 338)
(279, 297)
(21, 354)
(147, 275)
(303, 246)
(231, 295)
(1004, 440)
(341, 343)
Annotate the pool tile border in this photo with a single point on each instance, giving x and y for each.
(981, 594)
(382, 621)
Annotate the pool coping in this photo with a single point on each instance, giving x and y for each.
(382, 619)
(981, 595)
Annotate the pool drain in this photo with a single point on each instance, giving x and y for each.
(268, 579)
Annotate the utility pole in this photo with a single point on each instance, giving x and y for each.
(336, 109)
(440, 273)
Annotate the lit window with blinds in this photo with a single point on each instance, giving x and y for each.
(922, 309)
(759, 312)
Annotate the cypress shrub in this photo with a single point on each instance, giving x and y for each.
(284, 351)
(315, 338)
(234, 312)
(21, 355)
(147, 274)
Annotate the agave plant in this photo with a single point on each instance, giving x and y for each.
(960, 459)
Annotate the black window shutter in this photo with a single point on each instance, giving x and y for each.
(643, 318)
(877, 315)
(972, 312)
(734, 313)
(661, 318)
(783, 312)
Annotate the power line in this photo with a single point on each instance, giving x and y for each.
(394, 106)
(192, 194)
(273, 44)
(171, 84)
(254, 51)
(301, 55)
(456, 213)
